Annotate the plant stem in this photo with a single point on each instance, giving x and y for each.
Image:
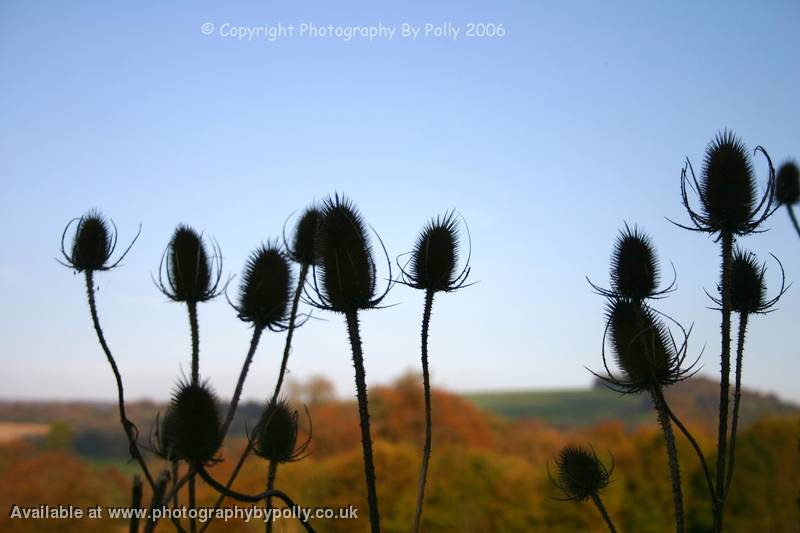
(287, 348)
(363, 413)
(737, 396)
(426, 385)
(195, 342)
(237, 393)
(136, 503)
(271, 473)
(602, 508)
(794, 218)
(698, 451)
(725, 370)
(672, 456)
(127, 425)
(158, 493)
(192, 503)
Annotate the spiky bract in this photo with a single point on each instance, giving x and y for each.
(346, 265)
(191, 275)
(303, 245)
(787, 184)
(191, 428)
(727, 189)
(275, 435)
(93, 243)
(264, 294)
(580, 474)
(435, 257)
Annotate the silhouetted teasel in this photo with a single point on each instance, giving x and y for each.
(580, 475)
(634, 271)
(433, 267)
(303, 246)
(728, 207)
(275, 436)
(787, 190)
(345, 281)
(748, 297)
(264, 293)
(93, 243)
(192, 276)
(191, 428)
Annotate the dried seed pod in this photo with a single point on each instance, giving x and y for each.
(305, 236)
(748, 286)
(435, 257)
(580, 474)
(191, 275)
(192, 429)
(265, 291)
(634, 267)
(275, 435)
(93, 243)
(787, 184)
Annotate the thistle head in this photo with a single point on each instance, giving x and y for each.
(191, 275)
(305, 236)
(727, 189)
(787, 184)
(580, 474)
(748, 285)
(275, 435)
(93, 243)
(643, 348)
(346, 265)
(191, 429)
(434, 260)
(265, 291)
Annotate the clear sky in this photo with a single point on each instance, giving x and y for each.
(546, 139)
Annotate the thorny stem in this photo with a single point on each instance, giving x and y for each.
(192, 503)
(790, 209)
(602, 508)
(672, 455)
(697, 450)
(195, 342)
(216, 485)
(158, 493)
(287, 348)
(136, 503)
(257, 331)
(724, 389)
(127, 425)
(363, 413)
(175, 472)
(426, 451)
(271, 473)
(737, 396)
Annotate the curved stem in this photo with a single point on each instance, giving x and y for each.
(602, 508)
(271, 473)
(237, 393)
(698, 451)
(725, 370)
(127, 425)
(737, 396)
(426, 450)
(195, 342)
(219, 487)
(794, 219)
(287, 348)
(363, 413)
(158, 493)
(672, 457)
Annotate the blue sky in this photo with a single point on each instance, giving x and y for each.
(546, 139)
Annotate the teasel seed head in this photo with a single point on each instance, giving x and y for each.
(93, 243)
(191, 428)
(304, 240)
(787, 184)
(748, 285)
(643, 347)
(264, 294)
(347, 275)
(434, 259)
(275, 436)
(727, 189)
(580, 474)
(191, 275)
